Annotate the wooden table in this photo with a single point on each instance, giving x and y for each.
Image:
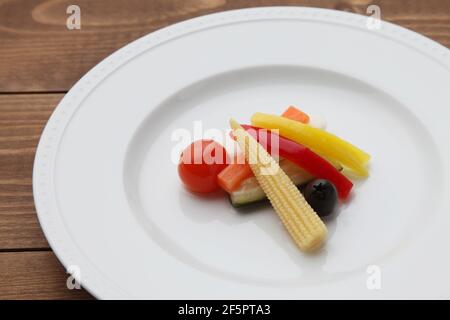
(40, 59)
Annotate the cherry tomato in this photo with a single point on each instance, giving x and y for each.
(200, 163)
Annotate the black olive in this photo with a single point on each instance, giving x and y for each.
(322, 196)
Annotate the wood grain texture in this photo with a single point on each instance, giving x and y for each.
(35, 275)
(38, 52)
(22, 118)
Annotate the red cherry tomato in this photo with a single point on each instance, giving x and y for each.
(200, 163)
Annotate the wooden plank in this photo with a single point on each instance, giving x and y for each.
(38, 52)
(22, 118)
(35, 275)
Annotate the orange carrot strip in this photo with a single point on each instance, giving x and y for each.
(231, 177)
(294, 113)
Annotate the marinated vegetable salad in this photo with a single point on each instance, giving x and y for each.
(289, 160)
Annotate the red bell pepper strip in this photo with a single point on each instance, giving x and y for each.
(303, 157)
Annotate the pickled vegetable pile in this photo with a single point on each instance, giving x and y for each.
(290, 160)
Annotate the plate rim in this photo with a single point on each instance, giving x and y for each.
(47, 148)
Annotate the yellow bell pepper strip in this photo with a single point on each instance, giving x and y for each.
(320, 141)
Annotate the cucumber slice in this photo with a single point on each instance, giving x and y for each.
(250, 192)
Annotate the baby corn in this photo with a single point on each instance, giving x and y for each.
(302, 223)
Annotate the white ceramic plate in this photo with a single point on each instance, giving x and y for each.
(110, 201)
